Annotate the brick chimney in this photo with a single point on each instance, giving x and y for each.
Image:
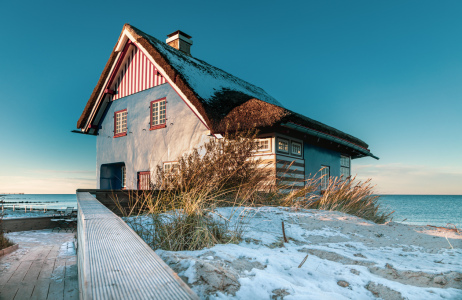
(181, 41)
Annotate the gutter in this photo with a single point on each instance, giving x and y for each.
(329, 137)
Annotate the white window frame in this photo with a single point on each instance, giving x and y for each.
(120, 123)
(345, 165)
(325, 174)
(258, 142)
(158, 117)
(282, 140)
(169, 166)
(124, 177)
(292, 148)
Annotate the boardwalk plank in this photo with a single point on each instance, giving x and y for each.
(25, 290)
(41, 289)
(54, 252)
(20, 272)
(34, 271)
(56, 290)
(71, 284)
(47, 269)
(8, 273)
(8, 291)
(37, 253)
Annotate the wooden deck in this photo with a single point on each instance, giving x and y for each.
(45, 272)
(115, 263)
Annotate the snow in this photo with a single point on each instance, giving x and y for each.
(391, 260)
(207, 80)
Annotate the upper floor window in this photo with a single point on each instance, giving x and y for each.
(262, 144)
(283, 145)
(120, 123)
(345, 166)
(296, 148)
(325, 174)
(158, 113)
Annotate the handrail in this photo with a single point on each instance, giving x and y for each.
(115, 263)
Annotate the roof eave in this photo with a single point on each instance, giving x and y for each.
(361, 150)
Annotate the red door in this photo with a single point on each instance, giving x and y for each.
(144, 180)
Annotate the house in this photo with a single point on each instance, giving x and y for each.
(154, 102)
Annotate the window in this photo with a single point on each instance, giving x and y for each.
(325, 174)
(296, 148)
(345, 166)
(124, 177)
(120, 123)
(283, 145)
(171, 167)
(262, 144)
(158, 113)
(144, 180)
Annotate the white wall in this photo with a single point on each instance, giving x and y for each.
(142, 149)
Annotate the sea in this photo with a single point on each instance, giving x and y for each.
(39, 201)
(436, 210)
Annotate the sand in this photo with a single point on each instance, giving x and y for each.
(348, 258)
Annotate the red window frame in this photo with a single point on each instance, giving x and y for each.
(115, 124)
(141, 174)
(153, 127)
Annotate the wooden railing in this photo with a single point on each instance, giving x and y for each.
(115, 263)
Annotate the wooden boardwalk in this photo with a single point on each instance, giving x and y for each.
(45, 272)
(115, 263)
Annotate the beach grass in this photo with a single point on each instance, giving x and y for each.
(178, 213)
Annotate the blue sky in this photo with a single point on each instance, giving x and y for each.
(387, 72)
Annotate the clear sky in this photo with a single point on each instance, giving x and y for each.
(388, 72)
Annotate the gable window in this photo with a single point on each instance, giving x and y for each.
(262, 144)
(144, 180)
(345, 166)
(325, 174)
(296, 148)
(283, 145)
(171, 167)
(120, 123)
(158, 113)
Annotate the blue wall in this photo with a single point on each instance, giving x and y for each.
(316, 158)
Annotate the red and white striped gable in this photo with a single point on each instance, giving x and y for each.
(136, 73)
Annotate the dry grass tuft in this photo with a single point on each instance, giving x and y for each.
(352, 197)
(179, 213)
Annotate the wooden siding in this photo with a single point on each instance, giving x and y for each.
(290, 171)
(136, 74)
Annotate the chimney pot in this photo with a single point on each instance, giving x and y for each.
(180, 41)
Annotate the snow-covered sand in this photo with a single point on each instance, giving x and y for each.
(346, 258)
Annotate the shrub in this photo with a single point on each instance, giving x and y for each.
(4, 241)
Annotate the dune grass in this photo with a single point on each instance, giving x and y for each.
(352, 197)
(179, 213)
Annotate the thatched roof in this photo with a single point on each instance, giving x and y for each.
(223, 100)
